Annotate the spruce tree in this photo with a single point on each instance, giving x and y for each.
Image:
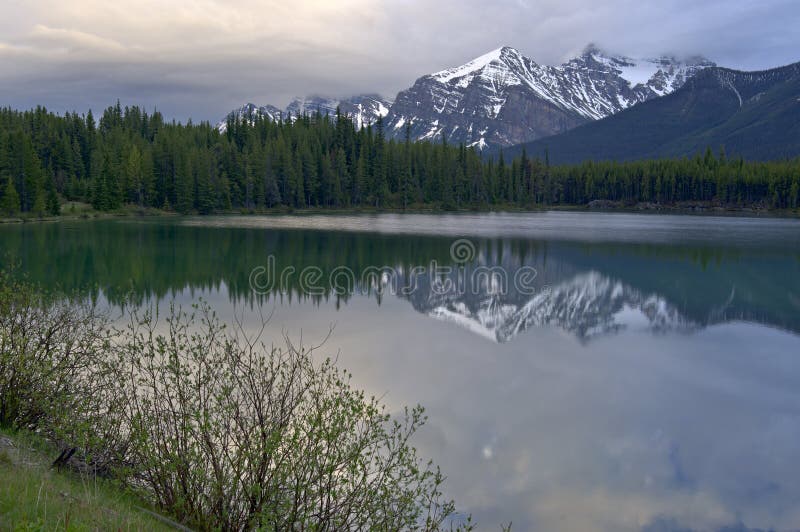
(184, 187)
(5, 162)
(361, 181)
(203, 193)
(300, 189)
(405, 174)
(134, 177)
(343, 179)
(53, 202)
(10, 203)
(100, 197)
(39, 207)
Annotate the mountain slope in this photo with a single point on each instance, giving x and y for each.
(503, 98)
(752, 114)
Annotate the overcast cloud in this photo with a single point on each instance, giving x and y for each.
(201, 58)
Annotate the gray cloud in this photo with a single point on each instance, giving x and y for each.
(201, 58)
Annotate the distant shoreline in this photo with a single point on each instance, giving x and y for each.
(598, 206)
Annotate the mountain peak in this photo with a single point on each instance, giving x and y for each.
(477, 64)
(592, 49)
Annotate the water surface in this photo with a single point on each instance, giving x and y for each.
(645, 378)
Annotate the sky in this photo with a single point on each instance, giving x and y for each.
(200, 59)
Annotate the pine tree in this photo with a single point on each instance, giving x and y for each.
(405, 173)
(300, 189)
(203, 200)
(39, 207)
(380, 186)
(134, 177)
(343, 179)
(309, 174)
(361, 181)
(5, 162)
(100, 195)
(184, 187)
(89, 141)
(53, 203)
(10, 203)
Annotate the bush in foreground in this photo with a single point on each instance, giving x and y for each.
(217, 428)
(48, 348)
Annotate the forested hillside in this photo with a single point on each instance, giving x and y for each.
(131, 157)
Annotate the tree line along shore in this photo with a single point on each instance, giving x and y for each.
(131, 158)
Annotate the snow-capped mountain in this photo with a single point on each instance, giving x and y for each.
(364, 109)
(503, 98)
(251, 111)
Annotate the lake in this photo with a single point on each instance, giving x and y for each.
(580, 371)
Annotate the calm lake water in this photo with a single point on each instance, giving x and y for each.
(580, 371)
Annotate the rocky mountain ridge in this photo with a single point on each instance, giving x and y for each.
(504, 98)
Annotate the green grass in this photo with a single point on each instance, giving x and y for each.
(33, 496)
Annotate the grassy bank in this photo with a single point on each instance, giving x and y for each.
(34, 496)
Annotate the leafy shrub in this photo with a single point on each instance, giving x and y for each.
(48, 352)
(229, 433)
(216, 427)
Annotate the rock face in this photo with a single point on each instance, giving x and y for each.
(503, 98)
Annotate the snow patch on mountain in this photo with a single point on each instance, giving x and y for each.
(637, 73)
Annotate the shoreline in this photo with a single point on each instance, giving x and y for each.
(598, 207)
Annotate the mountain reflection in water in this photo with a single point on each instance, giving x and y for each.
(588, 288)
